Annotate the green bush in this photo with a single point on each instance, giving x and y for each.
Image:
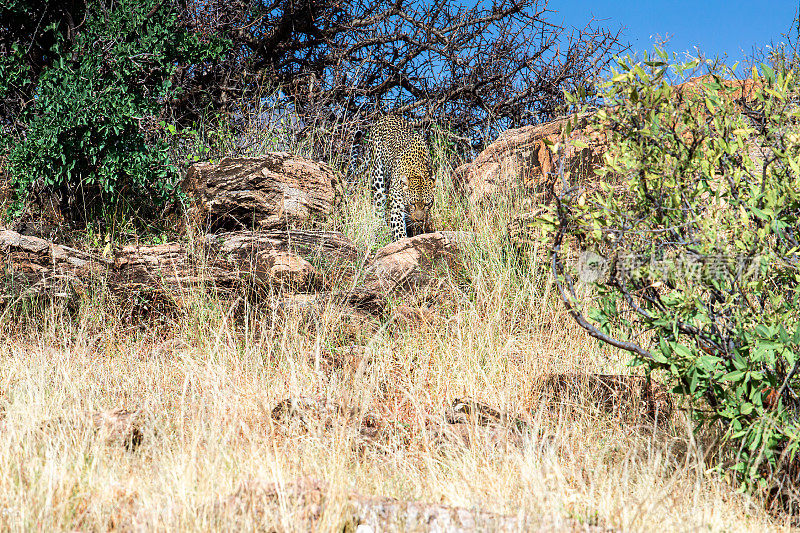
(91, 131)
(696, 224)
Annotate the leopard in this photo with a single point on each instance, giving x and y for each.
(402, 179)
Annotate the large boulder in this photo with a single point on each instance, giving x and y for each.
(412, 261)
(317, 245)
(273, 191)
(736, 90)
(285, 257)
(521, 163)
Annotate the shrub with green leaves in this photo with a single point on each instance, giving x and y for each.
(90, 130)
(695, 220)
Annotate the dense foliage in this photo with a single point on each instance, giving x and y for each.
(82, 87)
(696, 222)
(92, 90)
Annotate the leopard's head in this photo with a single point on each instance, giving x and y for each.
(418, 193)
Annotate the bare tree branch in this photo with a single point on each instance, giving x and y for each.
(479, 70)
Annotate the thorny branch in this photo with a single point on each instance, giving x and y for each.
(566, 290)
(477, 69)
(332, 65)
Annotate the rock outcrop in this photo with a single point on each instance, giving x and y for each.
(324, 263)
(412, 261)
(268, 192)
(521, 163)
(518, 160)
(286, 269)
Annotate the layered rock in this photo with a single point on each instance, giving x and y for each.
(324, 263)
(272, 191)
(521, 162)
(412, 261)
(286, 269)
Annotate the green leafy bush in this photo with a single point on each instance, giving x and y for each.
(696, 221)
(90, 131)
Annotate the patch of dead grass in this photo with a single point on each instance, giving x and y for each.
(204, 385)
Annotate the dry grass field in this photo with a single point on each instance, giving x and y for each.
(210, 454)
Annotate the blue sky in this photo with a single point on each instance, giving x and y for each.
(717, 27)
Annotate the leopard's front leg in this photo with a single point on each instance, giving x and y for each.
(379, 187)
(397, 217)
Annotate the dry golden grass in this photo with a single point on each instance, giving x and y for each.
(207, 391)
(207, 381)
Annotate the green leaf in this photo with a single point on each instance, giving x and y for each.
(735, 375)
(682, 350)
(577, 143)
